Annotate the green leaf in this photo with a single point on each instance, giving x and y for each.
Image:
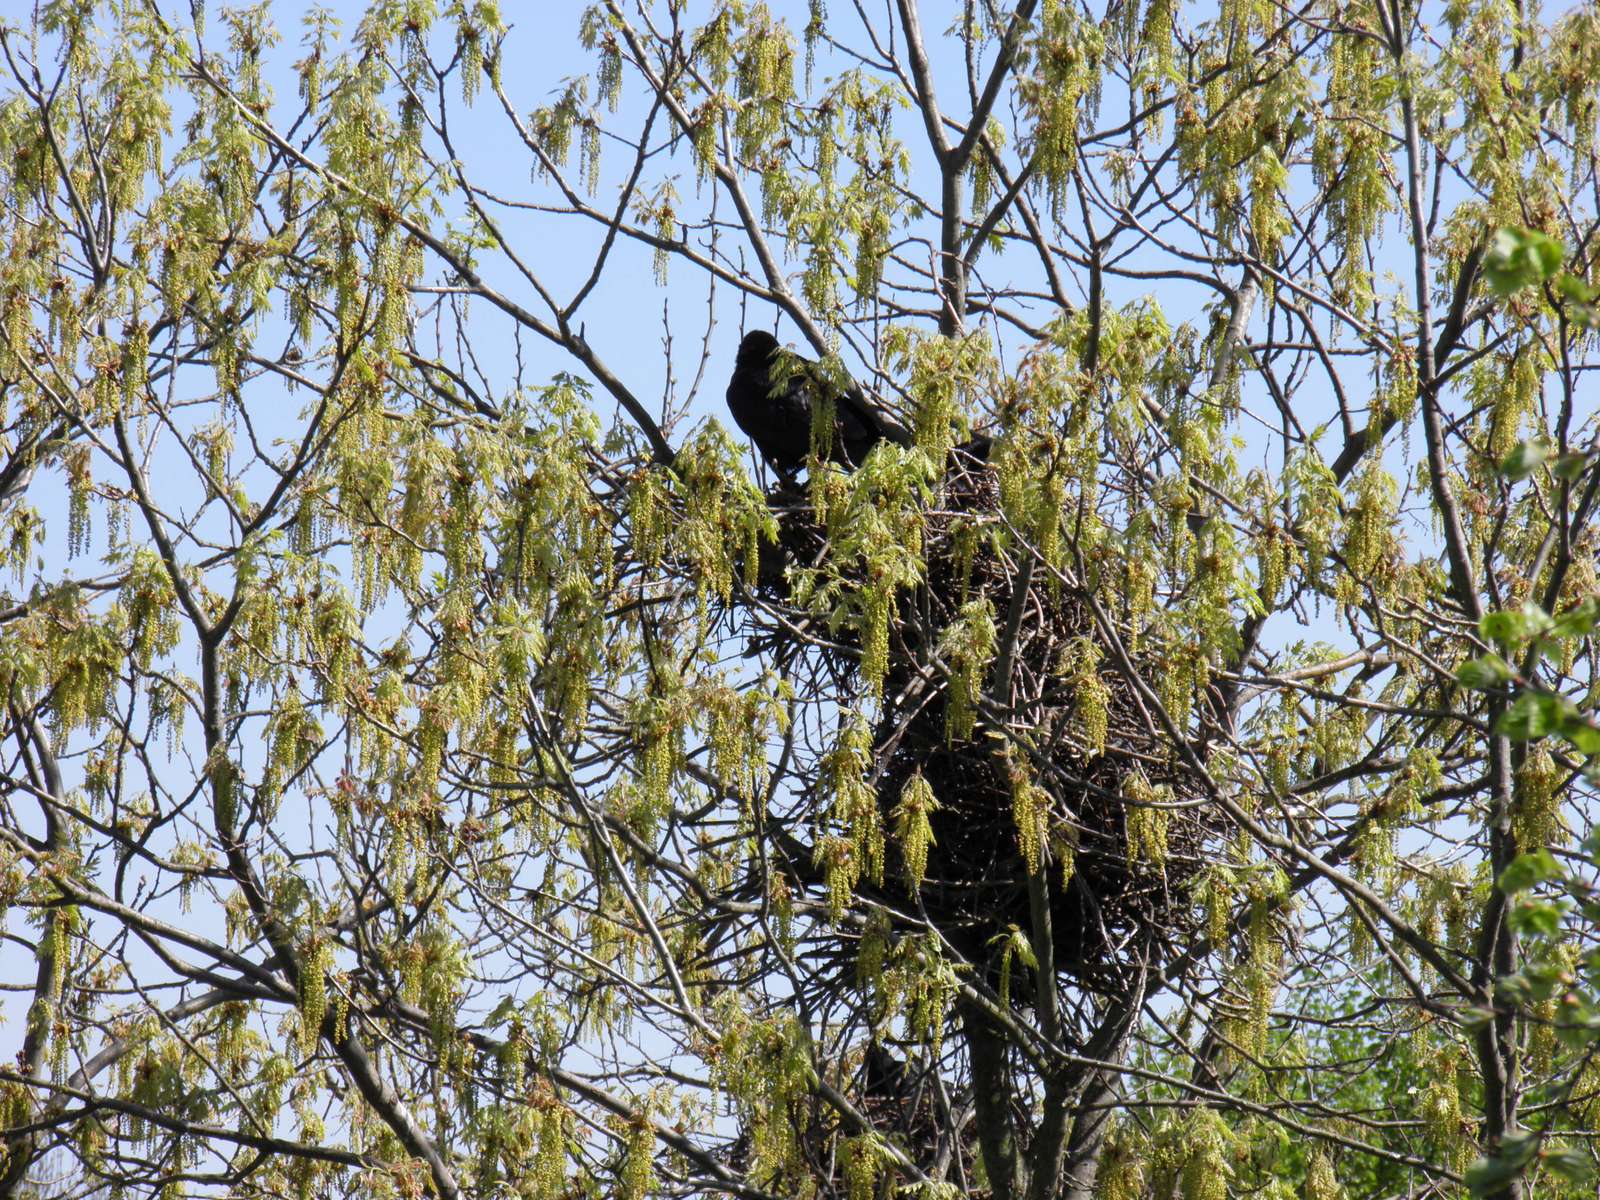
(1569, 466)
(1482, 674)
(1526, 458)
(1537, 866)
(1578, 621)
(1576, 1028)
(1532, 715)
(1519, 258)
(501, 1012)
(1514, 990)
(1511, 626)
(1473, 1017)
(1489, 1174)
(1499, 627)
(1583, 734)
(1575, 289)
(1572, 1165)
(1548, 977)
(1539, 917)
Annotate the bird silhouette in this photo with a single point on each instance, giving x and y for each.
(773, 394)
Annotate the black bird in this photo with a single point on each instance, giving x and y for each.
(882, 1074)
(772, 394)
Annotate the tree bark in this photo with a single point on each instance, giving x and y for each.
(991, 1096)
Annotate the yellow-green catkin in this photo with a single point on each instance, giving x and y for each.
(1091, 698)
(1321, 1183)
(1030, 812)
(314, 970)
(1122, 1166)
(913, 831)
(1536, 811)
(1146, 822)
(1447, 1126)
(967, 646)
(637, 1176)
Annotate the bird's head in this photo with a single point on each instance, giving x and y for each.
(756, 349)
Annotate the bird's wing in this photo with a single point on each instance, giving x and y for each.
(881, 426)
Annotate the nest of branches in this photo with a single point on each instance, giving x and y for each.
(1118, 832)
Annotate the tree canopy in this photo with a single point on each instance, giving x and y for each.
(437, 764)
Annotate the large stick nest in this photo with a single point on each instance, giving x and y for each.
(1111, 907)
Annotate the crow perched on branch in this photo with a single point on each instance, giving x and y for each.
(772, 395)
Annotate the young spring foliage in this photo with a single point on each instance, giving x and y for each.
(436, 766)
